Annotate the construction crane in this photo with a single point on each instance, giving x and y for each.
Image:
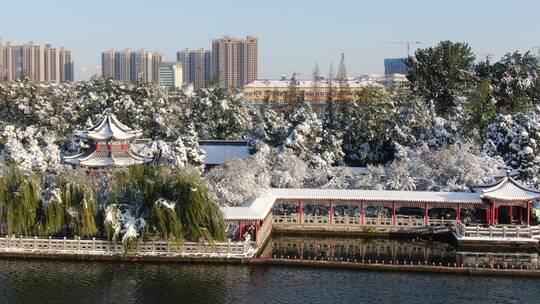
(406, 43)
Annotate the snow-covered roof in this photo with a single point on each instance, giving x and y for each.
(109, 127)
(107, 158)
(508, 189)
(222, 152)
(258, 208)
(278, 83)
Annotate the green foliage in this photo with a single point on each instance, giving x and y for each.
(513, 80)
(481, 109)
(199, 214)
(366, 133)
(72, 206)
(19, 202)
(443, 74)
(174, 204)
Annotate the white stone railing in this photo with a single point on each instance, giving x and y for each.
(286, 219)
(79, 246)
(497, 231)
(347, 220)
(315, 219)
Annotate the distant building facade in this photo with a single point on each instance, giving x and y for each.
(235, 62)
(395, 66)
(131, 66)
(278, 92)
(169, 74)
(386, 80)
(36, 62)
(195, 66)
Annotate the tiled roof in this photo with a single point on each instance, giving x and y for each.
(109, 127)
(508, 189)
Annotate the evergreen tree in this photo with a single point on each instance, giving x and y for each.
(442, 74)
(274, 127)
(482, 107)
(513, 79)
(190, 140)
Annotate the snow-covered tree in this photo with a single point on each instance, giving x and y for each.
(219, 115)
(453, 168)
(29, 148)
(516, 139)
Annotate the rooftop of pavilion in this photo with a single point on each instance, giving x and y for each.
(107, 128)
(258, 208)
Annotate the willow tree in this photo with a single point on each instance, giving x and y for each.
(19, 201)
(199, 213)
(174, 205)
(71, 207)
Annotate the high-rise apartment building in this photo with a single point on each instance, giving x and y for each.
(235, 61)
(169, 74)
(157, 58)
(131, 66)
(35, 62)
(141, 66)
(195, 66)
(108, 59)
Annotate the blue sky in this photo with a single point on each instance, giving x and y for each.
(293, 35)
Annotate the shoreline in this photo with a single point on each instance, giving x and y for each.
(352, 266)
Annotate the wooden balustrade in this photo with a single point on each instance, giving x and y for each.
(103, 247)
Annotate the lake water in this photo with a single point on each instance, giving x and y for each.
(32, 281)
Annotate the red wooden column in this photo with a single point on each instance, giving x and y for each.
(528, 213)
(426, 215)
(241, 223)
(331, 213)
(362, 213)
(511, 213)
(394, 214)
(300, 210)
(520, 215)
(458, 212)
(257, 226)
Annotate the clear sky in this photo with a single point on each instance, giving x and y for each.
(293, 34)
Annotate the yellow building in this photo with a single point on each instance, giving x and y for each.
(283, 92)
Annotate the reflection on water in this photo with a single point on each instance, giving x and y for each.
(26, 281)
(412, 251)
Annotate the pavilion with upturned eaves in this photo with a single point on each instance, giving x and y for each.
(109, 145)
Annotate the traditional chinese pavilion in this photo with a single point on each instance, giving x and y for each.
(108, 145)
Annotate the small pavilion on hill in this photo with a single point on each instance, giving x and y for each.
(109, 145)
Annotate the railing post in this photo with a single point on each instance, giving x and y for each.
(49, 245)
(64, 247)
(504, 231)
(93, 244)
(35, 242)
